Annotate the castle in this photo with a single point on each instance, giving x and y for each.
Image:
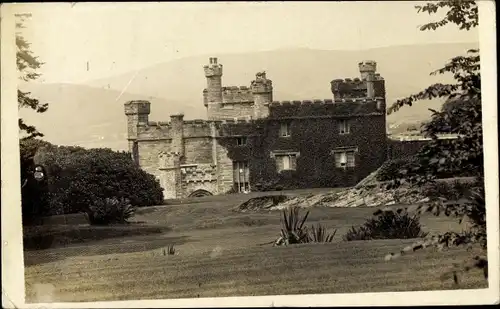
(250, 141)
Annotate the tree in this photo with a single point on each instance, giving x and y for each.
(27, 64)
(461, 115)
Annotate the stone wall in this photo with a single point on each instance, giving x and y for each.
(187, 156)
(230, 110)
(314, 135)
(198, 150)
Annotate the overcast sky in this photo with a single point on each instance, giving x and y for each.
(119, 37)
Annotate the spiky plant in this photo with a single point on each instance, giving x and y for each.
(319, 234)
(170, 250)
(293, 230)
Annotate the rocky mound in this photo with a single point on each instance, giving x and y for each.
(368, 196)
(267, 202)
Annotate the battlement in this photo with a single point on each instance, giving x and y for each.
(367, 66)
(320, 102)
(137, 107)
(213, 68)
(261, 84)
(345, 107)
(237, 94)
(357, 88)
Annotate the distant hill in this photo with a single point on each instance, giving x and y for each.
(93, 118)
(86, 116)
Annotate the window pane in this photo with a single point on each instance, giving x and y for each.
(286, 162)
(279, 163)
(350, 158)
(293, 162)
(337, 159)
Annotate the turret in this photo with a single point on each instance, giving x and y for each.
(213, 73)
(367, 71)
(177, 134)
(262, 89)
(137, 113)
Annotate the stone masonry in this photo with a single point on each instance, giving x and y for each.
(249, 140)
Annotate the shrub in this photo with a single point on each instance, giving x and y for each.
(449, 191)
(388, 224)
(392, 169)
(79, 177)
(318, 234)
(293, 230)
(111, 210)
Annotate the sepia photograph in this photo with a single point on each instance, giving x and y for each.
(249, 151)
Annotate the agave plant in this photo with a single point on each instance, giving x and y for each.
(293, 230)
(319, 234)
(170, 250)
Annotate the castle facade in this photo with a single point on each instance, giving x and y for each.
(251, 142)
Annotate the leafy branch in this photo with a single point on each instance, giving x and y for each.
(27, 64)
(463, 13)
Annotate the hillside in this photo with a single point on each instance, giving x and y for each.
(176, 86)
(86, 116)
(297, 73)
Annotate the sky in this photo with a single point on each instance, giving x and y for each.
(114, 38)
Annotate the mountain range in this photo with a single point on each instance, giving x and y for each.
(91, 114)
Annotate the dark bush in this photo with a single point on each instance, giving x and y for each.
(79, 177)
(34, 202)
(392, 169)
(111, 210)
(451, 191)
(404, 167)
(388, 224)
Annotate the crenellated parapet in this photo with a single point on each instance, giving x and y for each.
(355, 88)
(327, 108)
(237, 94)
(213, 68)
(320, 102)
(261, 84)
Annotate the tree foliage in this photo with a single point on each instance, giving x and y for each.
(461, 115)
(27, 66)
(79, 179)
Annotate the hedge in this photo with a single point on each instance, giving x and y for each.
(77, 177)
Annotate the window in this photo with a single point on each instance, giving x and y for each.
(344, 158)
(285, 130)
(241, 141)
(344, 127)
(286, 162)
(241, 176)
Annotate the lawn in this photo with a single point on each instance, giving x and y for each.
(220, 252)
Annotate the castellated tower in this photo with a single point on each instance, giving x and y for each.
(262, 89)
(213, 93)
(367, 70)
(177, 134)
(137, 113)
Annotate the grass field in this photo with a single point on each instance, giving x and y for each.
(219, 252)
